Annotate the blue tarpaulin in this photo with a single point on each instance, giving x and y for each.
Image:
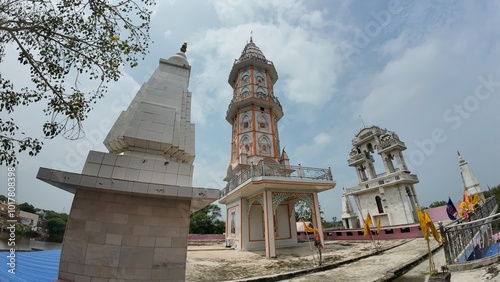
(39, 266)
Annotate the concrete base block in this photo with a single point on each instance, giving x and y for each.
(125, 237)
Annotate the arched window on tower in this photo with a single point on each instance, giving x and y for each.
(380, 207)
(245, 79)
(246, 145)
(263, 123)
(244, 92)
(264, 146)
(260, 78)
(261, 92)
(246, 123)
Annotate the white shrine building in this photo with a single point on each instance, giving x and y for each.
(263, 187)
(129, 220)
(388, 195)
(469, 179)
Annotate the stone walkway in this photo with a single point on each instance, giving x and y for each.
(380, 267)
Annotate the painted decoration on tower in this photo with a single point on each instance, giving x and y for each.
(233, 222)
(260, 78)
(245, 144)
(260, 84)
(245, 122)
(245, 84)
(245, 77)
(263, 123)
(245, 91)
(264, 145)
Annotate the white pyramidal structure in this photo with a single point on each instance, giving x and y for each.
(129, 220)
(469, 179)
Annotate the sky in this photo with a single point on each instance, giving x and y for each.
(427, 70)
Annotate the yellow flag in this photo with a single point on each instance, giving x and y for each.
(431, 225)
(474, 199)
(368, 222)
(308, 229)
(423, 224)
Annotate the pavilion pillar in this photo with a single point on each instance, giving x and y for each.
(317, 216)
(269, 225)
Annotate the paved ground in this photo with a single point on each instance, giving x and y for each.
(214, 262)
(374, 268)
(344, 261)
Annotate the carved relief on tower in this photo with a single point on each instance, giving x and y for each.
(245, 77)
(260, 86)
(260, 78)
(264, 145)
(244, 89)
(245, 145)
(263, 122)
(245, 122)
(354, 152)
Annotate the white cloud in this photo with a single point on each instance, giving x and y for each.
(403, 80)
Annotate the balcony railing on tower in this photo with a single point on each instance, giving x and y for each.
(259, 95)
(276, 170)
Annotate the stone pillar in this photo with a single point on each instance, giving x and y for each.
(401, 162)
(269, 224)
(318, 224)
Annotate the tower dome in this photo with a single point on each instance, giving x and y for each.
(251, 51)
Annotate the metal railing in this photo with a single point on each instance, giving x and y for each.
(475, 238)
(276, 170)
(259, 95)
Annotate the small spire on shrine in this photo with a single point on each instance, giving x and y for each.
(251, 35)
(184, 47)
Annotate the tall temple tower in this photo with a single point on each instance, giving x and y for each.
(389, 195)
(254, 111)
(469, 179)
(263, 187)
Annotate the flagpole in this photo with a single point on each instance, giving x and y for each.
(364, 220)
(431, 259)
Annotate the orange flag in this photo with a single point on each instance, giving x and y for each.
(467, 201)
